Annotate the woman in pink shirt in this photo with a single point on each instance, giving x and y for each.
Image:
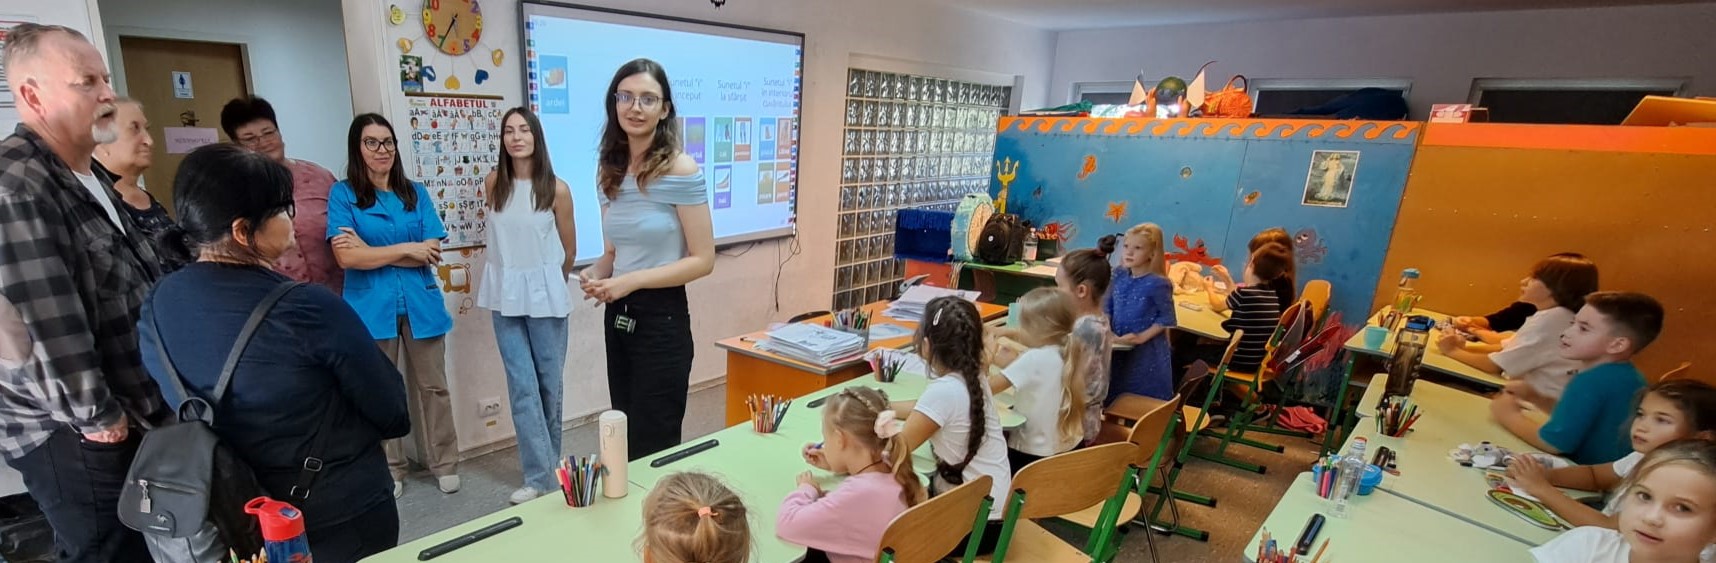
(861, 439)
(250, 122)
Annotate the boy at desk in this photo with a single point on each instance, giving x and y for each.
(1589, 425)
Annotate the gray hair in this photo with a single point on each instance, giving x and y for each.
(23, 41)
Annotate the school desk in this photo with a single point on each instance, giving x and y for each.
(1005, 284)
(1434, 359)
(1193, 314)
(751, 371)
(1450, 417)
(906, 387)
(550, 531)
(1382, 527)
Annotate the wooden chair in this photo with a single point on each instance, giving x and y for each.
(1682, 371)
(1317, 294)
(1128, 407)
(1249, 388)
(1150, 435)
(1061, 485)
(926, 533)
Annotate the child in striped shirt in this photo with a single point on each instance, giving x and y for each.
(1255, 307)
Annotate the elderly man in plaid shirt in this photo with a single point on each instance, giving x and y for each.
(73, 273)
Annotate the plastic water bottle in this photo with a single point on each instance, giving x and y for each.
(1409, 345)
(282, 530)
(1030, 245)
(1405, 299)
(1351, 471)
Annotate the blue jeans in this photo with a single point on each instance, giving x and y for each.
(534, 353)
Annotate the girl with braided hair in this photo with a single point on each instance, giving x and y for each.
(956, 413)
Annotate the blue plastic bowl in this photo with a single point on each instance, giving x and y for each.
(1372, 477)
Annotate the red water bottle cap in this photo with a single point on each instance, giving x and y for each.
(280, 521)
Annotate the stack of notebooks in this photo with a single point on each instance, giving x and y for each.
(910, 306)
(814, 344)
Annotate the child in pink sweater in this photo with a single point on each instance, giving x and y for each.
(861, 439)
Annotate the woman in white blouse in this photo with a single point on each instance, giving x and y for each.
(531, 247)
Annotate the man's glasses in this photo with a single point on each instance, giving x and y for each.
(647, 101)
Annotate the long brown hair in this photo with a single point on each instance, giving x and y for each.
(955, 334)
(357, 173)
(1570, 276)
(615, 151)
(542, 181)
(693, 518)
(1279, 236)
(854, 410)
(1046, 315)
(1088, 266)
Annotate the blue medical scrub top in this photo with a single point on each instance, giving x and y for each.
(382, 295)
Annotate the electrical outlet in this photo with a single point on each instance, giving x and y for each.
(489, 408)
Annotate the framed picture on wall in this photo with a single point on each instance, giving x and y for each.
(1330, 180)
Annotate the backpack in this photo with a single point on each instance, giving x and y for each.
(1002, 241)
(185, 490)
(1230, 101)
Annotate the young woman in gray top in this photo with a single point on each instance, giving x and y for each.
(655, 220)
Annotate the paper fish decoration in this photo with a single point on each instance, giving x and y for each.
(1186, 251)
(1251, 198)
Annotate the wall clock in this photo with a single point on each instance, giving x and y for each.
(453, 26)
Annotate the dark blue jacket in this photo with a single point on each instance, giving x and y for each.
(310, 357)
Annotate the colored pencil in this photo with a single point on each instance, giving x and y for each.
(1320, 550)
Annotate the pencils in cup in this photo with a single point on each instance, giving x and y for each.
(580, 477)
(767, 412)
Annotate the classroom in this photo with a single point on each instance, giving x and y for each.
(725, 281)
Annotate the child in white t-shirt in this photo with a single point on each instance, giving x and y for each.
(956, 412)
(1557, 286)
(1665, 412)
(1048, 377)
(1667, 513)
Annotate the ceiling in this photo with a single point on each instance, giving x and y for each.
(1087, 14)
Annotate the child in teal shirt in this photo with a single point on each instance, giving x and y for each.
(1589, 424)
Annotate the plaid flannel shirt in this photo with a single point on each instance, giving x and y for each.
(71, 284)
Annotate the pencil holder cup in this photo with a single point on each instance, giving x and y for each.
(863, 333)
(1375, 337)
(1367, 483)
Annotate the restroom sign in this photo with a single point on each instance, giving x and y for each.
(182, 85)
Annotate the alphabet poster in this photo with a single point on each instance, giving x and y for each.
(456, 140)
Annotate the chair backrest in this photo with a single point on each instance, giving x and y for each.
(1317, 293)
(1195, 375)
(1149, 432)
(1232, 344)
(801, 317)
(1073, 481)
(1682, 371)
(929, 531)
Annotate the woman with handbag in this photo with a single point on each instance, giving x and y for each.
(308, 377)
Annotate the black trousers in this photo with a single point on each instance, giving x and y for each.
(374, 531)
(649, 345)
(77, 483)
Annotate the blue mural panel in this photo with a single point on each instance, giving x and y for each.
(1334, 185)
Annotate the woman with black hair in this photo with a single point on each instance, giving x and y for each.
(659, 237)
(387, 236)
(307, 361)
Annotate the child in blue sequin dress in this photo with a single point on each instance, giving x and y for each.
(1140, 308)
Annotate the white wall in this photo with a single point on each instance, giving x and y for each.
(1440, 53)
(902, 35)
(295, 50)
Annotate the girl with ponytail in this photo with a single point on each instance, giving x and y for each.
(861, 438)
(1050, 377)
(956, 413)
(694, 518)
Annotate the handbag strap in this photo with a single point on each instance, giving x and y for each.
(1245, 83)
(232, 357)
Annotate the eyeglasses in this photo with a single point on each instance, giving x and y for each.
(252, 140)
(647, 101)
(378, 144)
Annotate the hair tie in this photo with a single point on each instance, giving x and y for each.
(706, 512)
(887, 424)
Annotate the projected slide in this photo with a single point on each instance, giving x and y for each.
(736, 92)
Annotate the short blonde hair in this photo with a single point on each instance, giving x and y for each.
(694, 518)
(1152, 236)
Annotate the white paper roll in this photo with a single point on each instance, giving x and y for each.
(611, 428)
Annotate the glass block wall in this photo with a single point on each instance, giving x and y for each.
(910, 141)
